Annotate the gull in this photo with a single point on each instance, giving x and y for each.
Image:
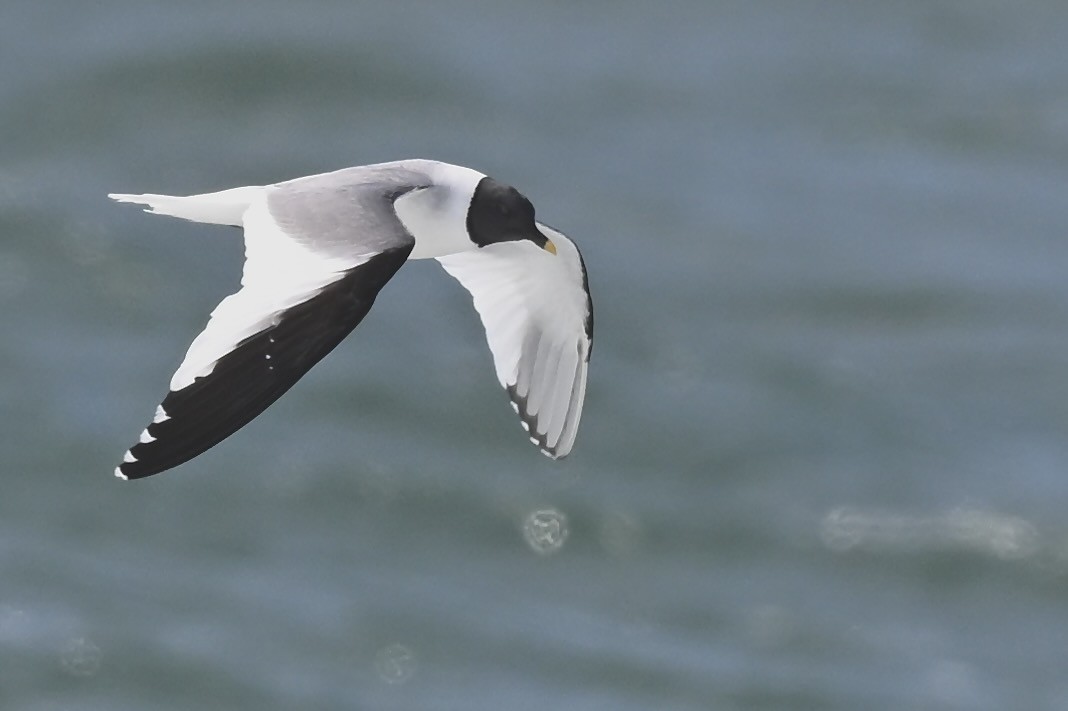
(318, 250)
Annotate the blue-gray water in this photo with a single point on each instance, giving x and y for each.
(824, 461)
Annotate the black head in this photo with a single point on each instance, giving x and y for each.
(500, 213)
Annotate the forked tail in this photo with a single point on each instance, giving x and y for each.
(222, 208)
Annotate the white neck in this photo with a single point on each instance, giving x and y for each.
(437, 216)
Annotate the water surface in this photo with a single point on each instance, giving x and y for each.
(823, 462)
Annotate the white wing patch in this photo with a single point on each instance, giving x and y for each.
(535, 309)
(278, 274)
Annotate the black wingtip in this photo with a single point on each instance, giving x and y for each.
(133, 469)
(530, 423)
(258, 370)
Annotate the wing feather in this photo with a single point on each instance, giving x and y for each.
(259, 369)
(538, 316)
(298, 300)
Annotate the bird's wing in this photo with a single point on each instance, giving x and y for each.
(538, 316)
(316, 257)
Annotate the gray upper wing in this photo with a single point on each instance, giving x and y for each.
(348, 213)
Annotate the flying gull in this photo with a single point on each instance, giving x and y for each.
(317, 252)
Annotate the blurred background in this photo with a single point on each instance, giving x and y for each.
(823, 460)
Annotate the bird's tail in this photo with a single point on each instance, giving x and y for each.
(222, 208)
